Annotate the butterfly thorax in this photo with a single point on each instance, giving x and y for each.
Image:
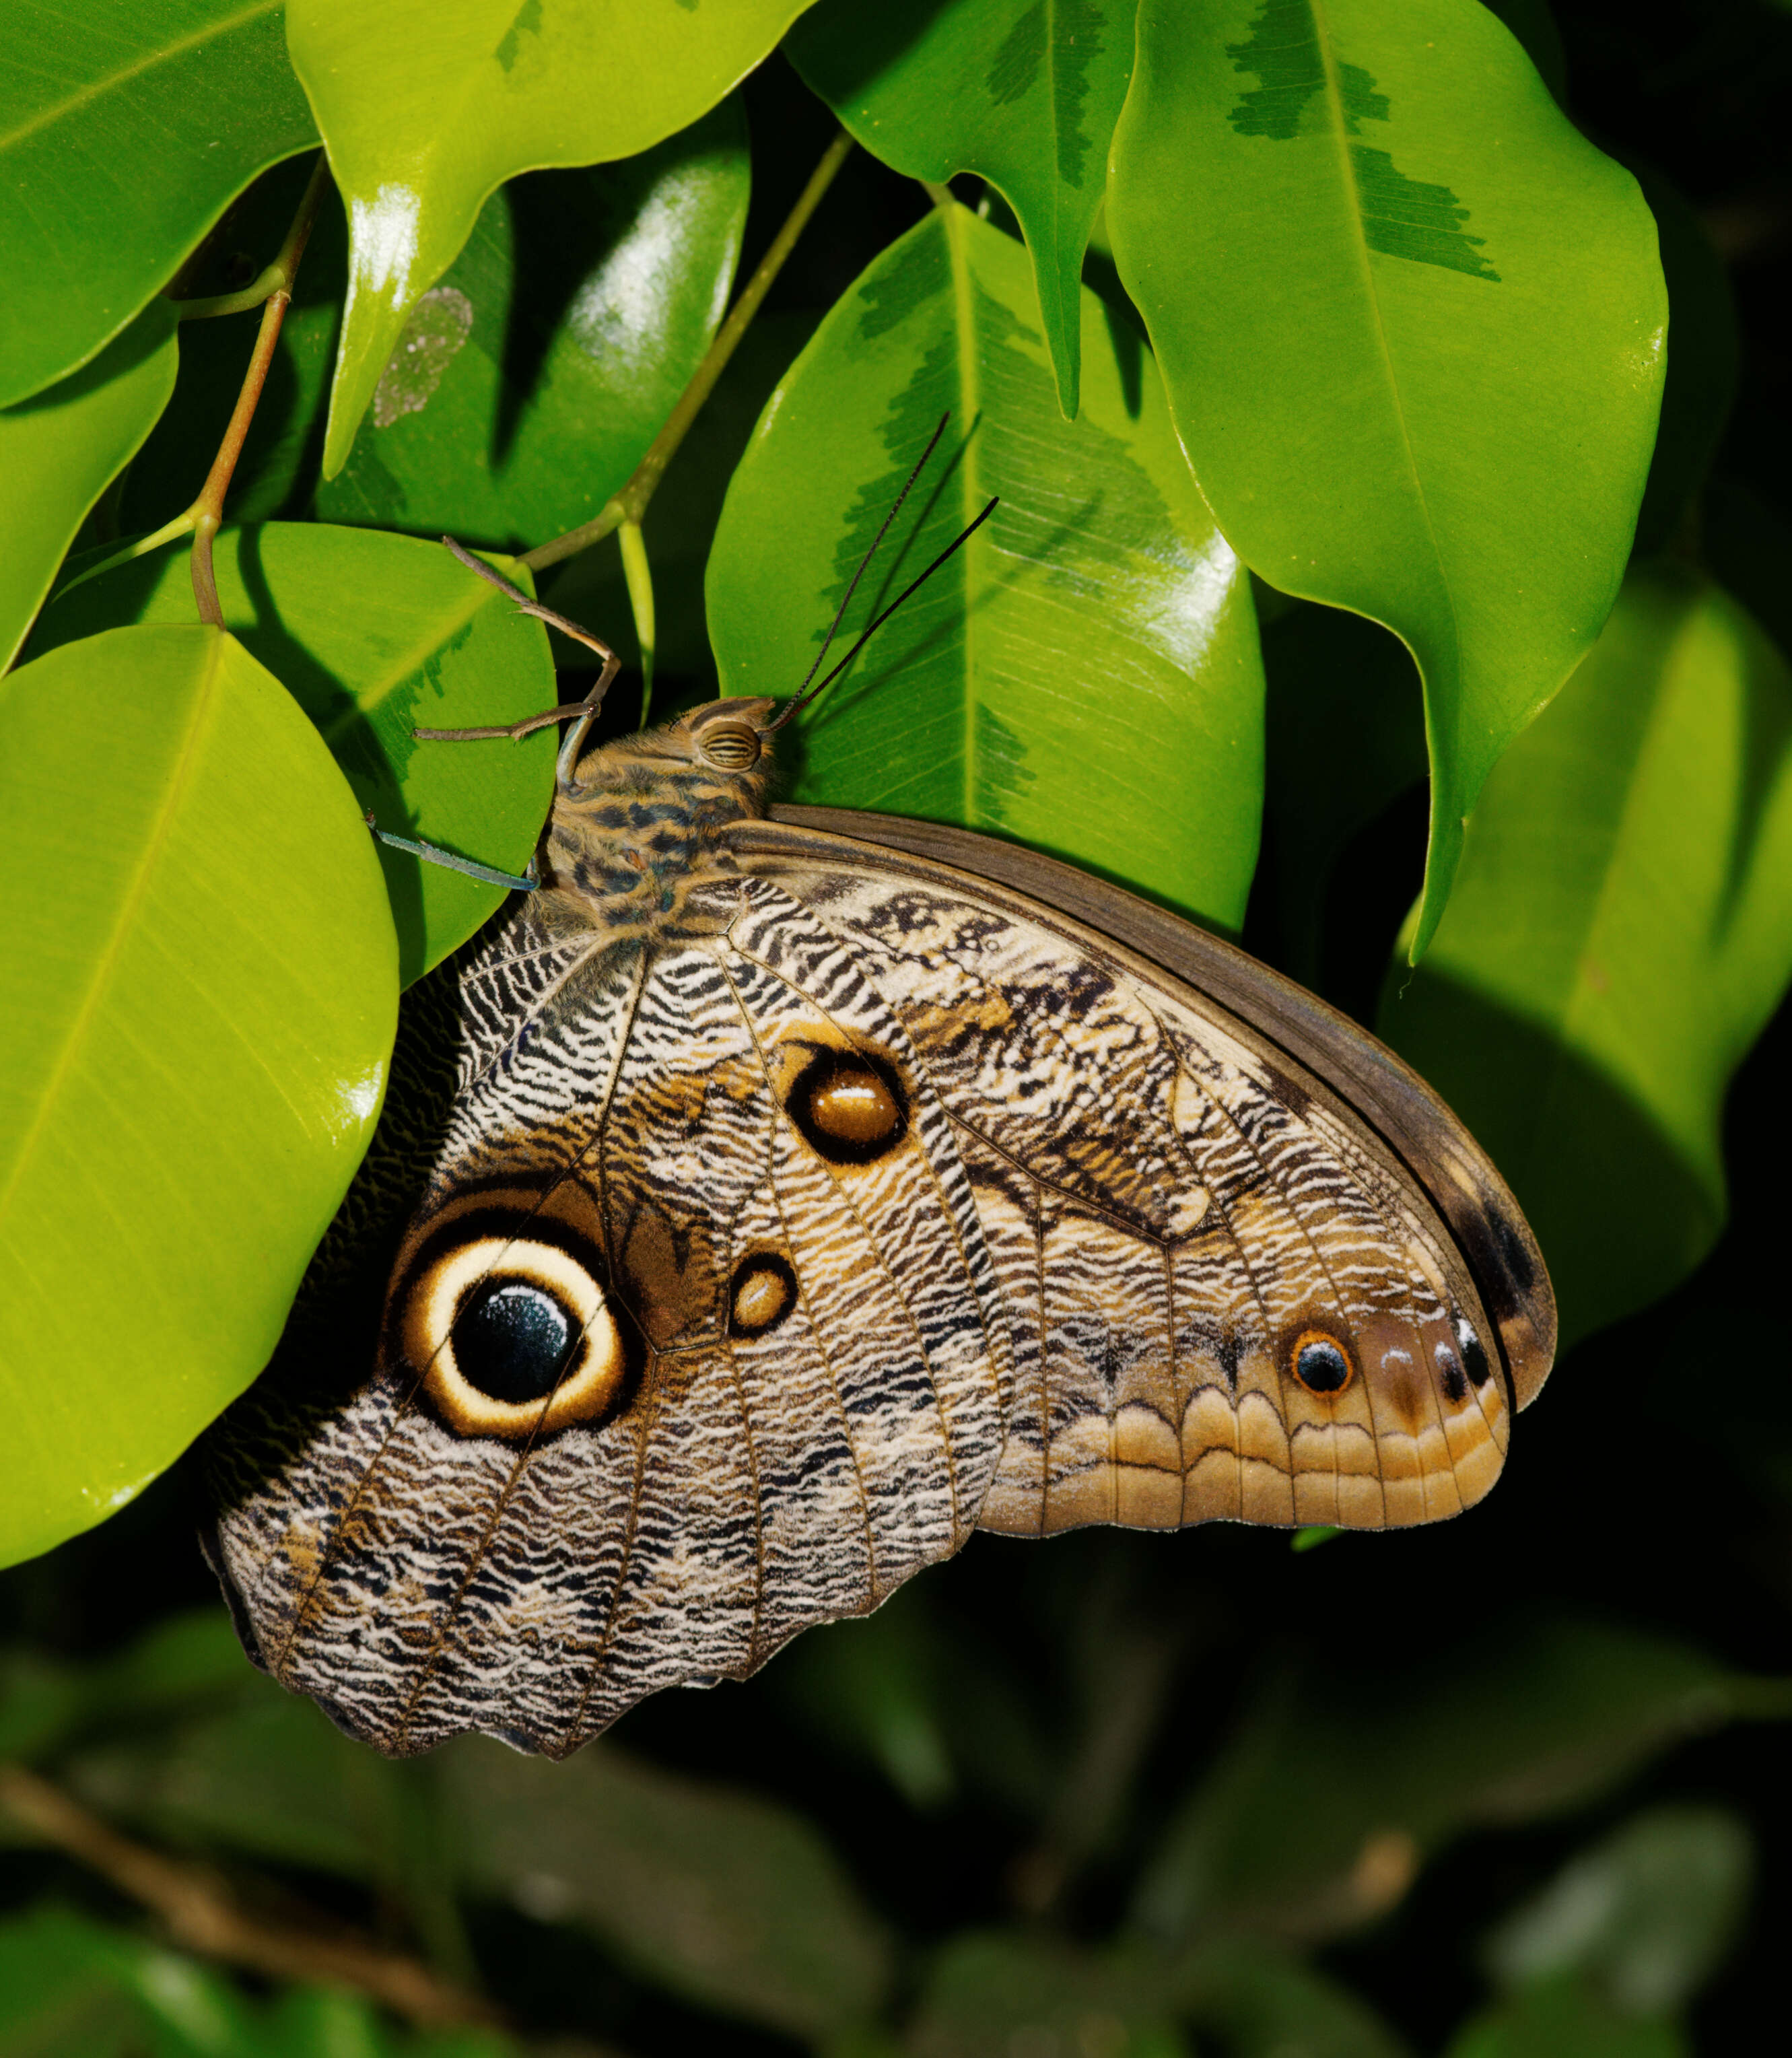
(640, 823)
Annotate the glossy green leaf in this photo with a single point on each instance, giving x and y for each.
(1084, 674)
(1412, 333)
(375, 635)
(992, 1993)
(717, 1895)
(1644, 1917)
(1564, 2019)
(190, 1073)
(1339, 1787)
(59, 451)
(122, 139)
(529, 383)
(1621, 932)
(1025, 93)
(427, 106)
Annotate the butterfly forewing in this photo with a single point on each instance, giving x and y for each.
(1179, 1224)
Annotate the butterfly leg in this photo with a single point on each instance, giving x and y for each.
(580, 713)
(432, 853)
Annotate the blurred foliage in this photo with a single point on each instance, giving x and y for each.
(1513, 1789)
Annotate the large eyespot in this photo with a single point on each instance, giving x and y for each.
(849, 1105)
(1321, 1363)
(730, 746)
(514, 1337)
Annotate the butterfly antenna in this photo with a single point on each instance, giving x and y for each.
(802, 692)
(871, 629)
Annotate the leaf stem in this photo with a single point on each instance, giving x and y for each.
(207, 511)
(201, 1916)
(276, 277)
(630, 504)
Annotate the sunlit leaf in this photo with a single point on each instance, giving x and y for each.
(427, 106)
(189, 1076)
(530, 381)
(374, 635)
(726, 1898)
(1025, 93)
(1412, 336)
(1084, 674)
(1621, 932)
(60, 449)
(125, 129)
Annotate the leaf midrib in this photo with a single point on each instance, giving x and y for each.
(162, 53)
(80, 1025)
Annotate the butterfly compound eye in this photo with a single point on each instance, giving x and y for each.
(514, 1338)
(1321, 1364)
(731, 746)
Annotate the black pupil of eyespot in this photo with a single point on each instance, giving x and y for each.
(1323, 1367)
(512, 1339)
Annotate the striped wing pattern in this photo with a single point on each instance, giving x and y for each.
(1066, 1282)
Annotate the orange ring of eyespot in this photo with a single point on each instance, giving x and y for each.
(434, 1301)
(1332, 1343)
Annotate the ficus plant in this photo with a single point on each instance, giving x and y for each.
(1265, 323)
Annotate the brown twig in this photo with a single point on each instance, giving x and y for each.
(200, 1915)
(275, 290)
(630, 504)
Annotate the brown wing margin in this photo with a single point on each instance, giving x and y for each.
(1265, 1010)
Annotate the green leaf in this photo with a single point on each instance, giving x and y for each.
(64, 1988)
(1412, 335)
(266, 1775)
(681, 517)
(1621, 933)
(1025, 93)
(1084, 674)
(1266, 2004)
(375, 635)
(427, 106)
(118, 153)
(1339, 1786)
(59, 450)
(1564, 2019)
(190, 1073)
(993, 1993)
(717, 1895)
(528, 384)
(1644, 1917)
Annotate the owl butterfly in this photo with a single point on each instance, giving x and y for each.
(811, 1188)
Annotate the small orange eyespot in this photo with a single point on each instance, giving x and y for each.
(1321, 1364)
